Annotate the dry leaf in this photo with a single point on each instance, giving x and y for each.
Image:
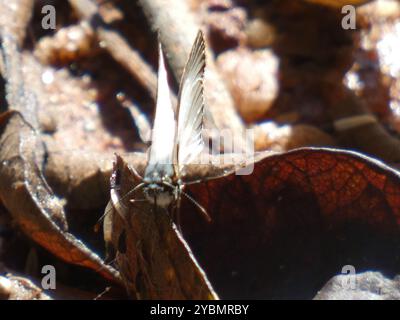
(299, 217)
(31, 202)
(154, 260)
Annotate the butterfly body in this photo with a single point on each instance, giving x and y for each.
(176, 137)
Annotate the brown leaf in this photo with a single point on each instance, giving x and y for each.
(153, 258)
(297, 219)
(23, 189)
(74, 116)
(31, 202)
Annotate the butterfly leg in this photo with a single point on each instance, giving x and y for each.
(177, 208)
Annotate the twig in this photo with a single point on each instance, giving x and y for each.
(120, 50)
(142, 124)
(117, 46)
(14, 18)
(18, 97)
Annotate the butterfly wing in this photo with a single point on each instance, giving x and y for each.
(189, 140)
(161, 157)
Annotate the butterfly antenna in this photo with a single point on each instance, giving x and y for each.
(177, 213)
(110, 206)
(137, 175)
(198, 205)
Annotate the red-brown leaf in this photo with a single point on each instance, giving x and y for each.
(296, 220)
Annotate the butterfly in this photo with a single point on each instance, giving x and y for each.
(176, 136)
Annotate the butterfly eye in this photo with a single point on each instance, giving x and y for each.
(152, 190)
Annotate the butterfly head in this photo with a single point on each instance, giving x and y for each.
(159, 188)
(159, 194)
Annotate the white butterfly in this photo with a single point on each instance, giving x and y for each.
(176, 138)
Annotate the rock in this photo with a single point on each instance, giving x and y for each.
(270, 136)
(252, 80)
(363, 286)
